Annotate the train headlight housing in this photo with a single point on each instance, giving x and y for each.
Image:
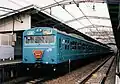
(47, 31)
(46, 62)
(39, 30)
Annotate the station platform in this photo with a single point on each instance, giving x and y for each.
(10, 62)
(117, 81)
(117, 77)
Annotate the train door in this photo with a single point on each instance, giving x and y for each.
(60, 48)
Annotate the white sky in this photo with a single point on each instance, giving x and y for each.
(100, 11)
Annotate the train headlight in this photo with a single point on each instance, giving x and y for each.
(47, 31)
(46, 62)
(54, 69)
(40, 30)
(37, 30)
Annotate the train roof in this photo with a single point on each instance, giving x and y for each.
(77, 36)
(69, 34)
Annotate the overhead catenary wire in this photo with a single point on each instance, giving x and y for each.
(103, 31)
(15, 3)
(61, 6)
(87, 18)
(75, 18)
(69, 13)
(25, 1)
(85, 15)
(7, 8)
(4, 10)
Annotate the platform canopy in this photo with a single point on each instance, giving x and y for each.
(90, 17)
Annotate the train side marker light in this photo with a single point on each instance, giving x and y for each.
(28, 69)
(46, 62)
(54, 69)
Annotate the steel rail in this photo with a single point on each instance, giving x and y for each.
(86, 78)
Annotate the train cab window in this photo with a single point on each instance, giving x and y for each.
(44, 39)
(29, 39)
(39, 39)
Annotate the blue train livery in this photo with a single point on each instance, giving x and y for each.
(47, 45)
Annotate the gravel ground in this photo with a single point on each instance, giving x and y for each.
(74, 76)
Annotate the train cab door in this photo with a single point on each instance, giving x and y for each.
(60, 48)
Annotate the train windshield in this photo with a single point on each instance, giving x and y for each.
(39, 39)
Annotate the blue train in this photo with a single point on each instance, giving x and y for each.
(47, 45)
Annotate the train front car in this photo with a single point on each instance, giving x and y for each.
(39, 46)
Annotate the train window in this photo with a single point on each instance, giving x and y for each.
(68, 47)
(75, 46)
(39, 39)
(65, 46)
(68, 44)
(59, 42)
(29, 39)
(63, 41)
(68, 41)
(72, 45)
(78, 46)
(83, 45)
(44, 39)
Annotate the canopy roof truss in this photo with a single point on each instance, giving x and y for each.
(74, 20)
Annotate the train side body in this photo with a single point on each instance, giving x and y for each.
(61, 47)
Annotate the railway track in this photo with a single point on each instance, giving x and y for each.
(78, 76)
(39, 79)
(71, 77)
(99, 74)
